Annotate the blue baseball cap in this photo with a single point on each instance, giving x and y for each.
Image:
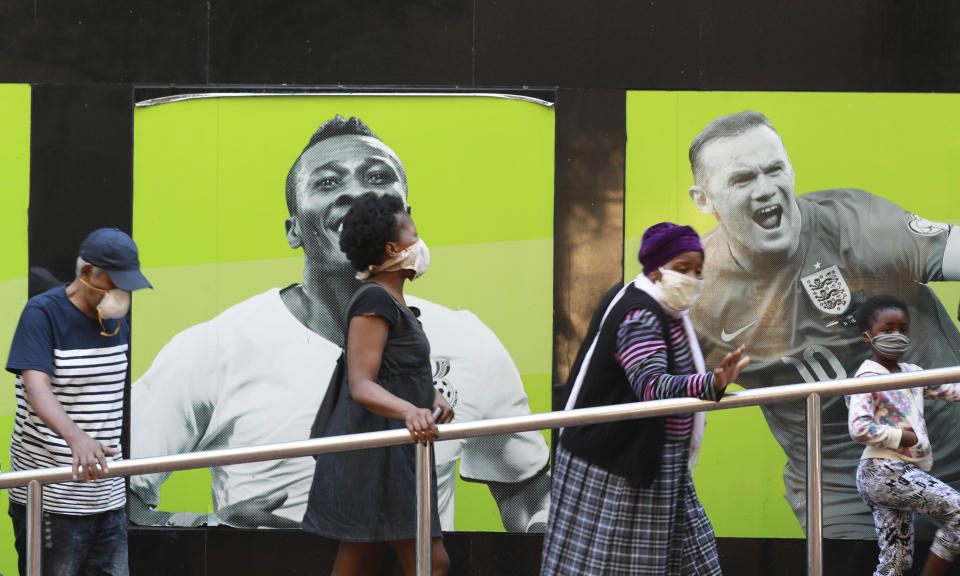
(115, 252)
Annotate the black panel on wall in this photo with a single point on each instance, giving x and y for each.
(81, 172)
(81, 169)
(227, 551)
(832, 46)
(94, 41)
(380, 42)
(601, 44)
(231, 552)
(919, 46)
(687, 44)
(588, 215)
(694, 44)
(163, 551)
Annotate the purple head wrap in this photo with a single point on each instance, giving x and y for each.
(663, 242)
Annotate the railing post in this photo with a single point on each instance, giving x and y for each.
(814, 488)
(424, 542)
(34, 528)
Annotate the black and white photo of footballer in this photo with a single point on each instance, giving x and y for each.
(257, 372)
(785, 276)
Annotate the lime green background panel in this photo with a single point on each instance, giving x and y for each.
(211, 172)
(14, 200)
(903, 147)
(209, 212)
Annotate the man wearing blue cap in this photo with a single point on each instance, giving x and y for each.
(69, 354)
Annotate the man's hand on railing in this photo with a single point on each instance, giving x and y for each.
(91, 455)
(729, 368)
(88, 453)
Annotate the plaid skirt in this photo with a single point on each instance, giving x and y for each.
(602, 524)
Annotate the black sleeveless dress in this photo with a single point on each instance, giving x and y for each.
(370, 495)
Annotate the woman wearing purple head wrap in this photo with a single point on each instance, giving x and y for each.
(623, 500)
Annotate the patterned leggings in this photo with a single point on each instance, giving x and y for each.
(894, 490)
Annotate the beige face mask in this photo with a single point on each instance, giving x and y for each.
(678, 291)
(114, 305)
(414, 257)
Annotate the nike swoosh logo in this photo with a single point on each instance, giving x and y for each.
(726, 337)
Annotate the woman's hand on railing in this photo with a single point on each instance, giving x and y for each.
(729, 368)
(419, 422)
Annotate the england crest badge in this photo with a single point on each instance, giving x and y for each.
(828, 290)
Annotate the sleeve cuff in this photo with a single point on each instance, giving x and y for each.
(710, 391)
(893, 441)
(538, 521)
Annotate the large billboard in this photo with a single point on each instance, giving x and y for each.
(237, 343)
(14, 200)
(841, 197)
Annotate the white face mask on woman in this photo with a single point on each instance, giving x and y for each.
(678, 291)
(414, 257)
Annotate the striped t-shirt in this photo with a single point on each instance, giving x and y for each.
(87, 374)
(642, 353)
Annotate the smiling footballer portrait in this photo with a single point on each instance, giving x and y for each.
(258, 372)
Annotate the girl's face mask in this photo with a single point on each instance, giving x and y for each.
(891, 346)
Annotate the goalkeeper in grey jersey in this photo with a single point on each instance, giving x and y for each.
(785, 276)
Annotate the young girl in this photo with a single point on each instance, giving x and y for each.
(892, 476)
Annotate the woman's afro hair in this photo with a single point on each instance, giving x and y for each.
(368, 226)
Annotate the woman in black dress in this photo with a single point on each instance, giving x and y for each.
(366, 499)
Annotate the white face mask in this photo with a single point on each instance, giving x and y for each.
(678, 291)
(115, 304)
(414, 257)
(423, 259)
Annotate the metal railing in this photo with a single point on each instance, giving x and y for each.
(34, 479)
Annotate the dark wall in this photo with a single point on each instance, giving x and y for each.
(86, 59)
(859, 45)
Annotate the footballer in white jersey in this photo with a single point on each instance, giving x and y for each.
(258, 372)
(223, 384)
